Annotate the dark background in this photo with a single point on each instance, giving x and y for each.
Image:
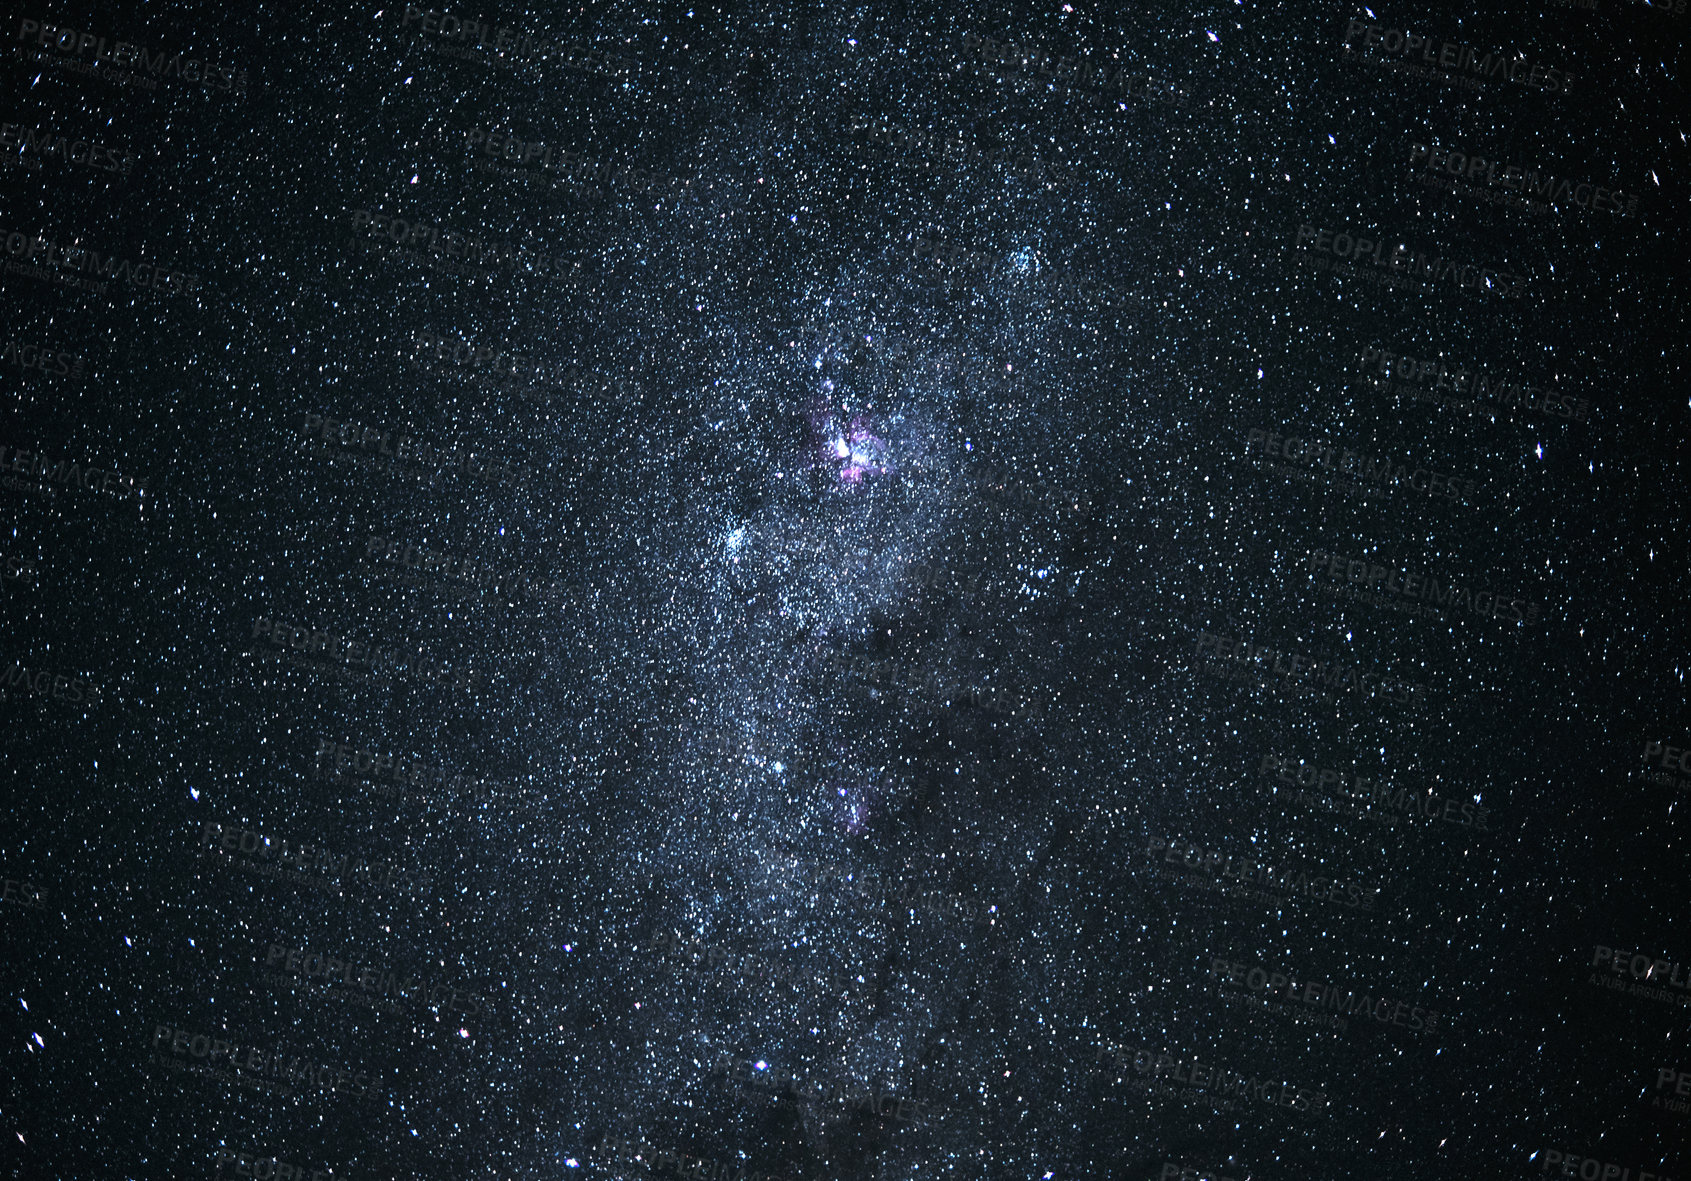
(1057, 422)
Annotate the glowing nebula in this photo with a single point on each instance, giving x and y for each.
(851, 446)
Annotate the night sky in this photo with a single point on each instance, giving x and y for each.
(972, 592)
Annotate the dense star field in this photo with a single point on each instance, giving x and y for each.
(973, 592)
